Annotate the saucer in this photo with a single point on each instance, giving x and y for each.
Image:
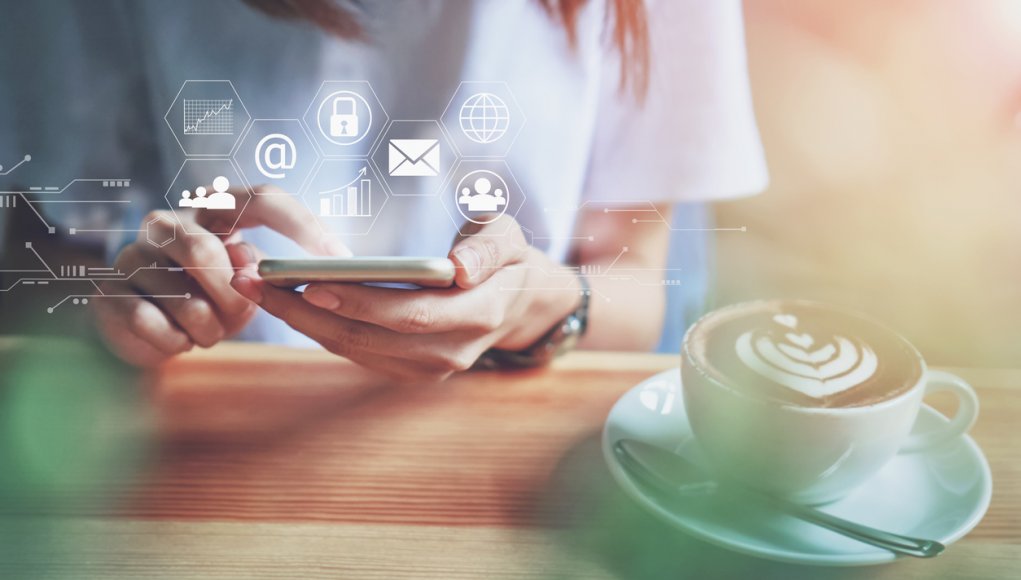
(940, 494)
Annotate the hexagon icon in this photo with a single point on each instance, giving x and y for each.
(483, 119)
(482, 190)
(207, 117)
(160, 231)
(277, 152)
(345, 118)
(213, 187)
(414, 158)
(345, 196)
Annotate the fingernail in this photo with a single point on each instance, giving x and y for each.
(470, 261)
(322, 298)
(246, 287)
(335, 247)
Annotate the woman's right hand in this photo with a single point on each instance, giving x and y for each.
(151, 314)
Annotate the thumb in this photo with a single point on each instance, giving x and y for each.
(243, 255)
(483, 250)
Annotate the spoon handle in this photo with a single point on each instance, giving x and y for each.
(894, 542)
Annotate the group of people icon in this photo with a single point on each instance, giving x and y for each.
(484, 197)
(219, 199)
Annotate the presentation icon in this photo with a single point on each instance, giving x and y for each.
(482, 196)
(344, 117)
(353, 199)
(275, 155)
(345, 196)
(414, 157)
(220, 199)
(484, 118)
(208, 116)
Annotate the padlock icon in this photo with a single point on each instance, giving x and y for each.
(344, 120)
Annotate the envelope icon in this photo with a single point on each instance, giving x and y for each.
(414, 157)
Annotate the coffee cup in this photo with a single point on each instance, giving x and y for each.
(806, 401)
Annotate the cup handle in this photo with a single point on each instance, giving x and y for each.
(967, 412)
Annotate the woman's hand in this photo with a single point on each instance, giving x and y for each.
(145, 319)
(501, 299)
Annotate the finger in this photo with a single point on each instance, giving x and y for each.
(358, 341)
(243, 255)
(134, 328)
(282, 213)
(132, 349)
(307, 319)
(187, 305)
(176, 294)
(485, 249)
(423, 311)
(129, 324)
(204, 258)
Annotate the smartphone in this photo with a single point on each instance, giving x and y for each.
(431, 272)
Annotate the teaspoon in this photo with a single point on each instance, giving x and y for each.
(687, 480)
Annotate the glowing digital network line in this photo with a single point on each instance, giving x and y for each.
(101, 275)
(59, 190)
(660, 218)
(52, 190)
(24, 160)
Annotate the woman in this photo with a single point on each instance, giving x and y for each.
(631, 108)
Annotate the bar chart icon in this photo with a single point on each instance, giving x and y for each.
(353, 199)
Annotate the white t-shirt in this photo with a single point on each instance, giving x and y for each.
(692, 139)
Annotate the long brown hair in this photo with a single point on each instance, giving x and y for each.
(627, 22)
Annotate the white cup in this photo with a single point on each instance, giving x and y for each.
(812, 454)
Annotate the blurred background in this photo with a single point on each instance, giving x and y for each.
(893, 135)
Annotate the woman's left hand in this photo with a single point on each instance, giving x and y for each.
(502, 298)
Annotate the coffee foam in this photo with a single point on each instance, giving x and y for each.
(793, 361)
(803, 353)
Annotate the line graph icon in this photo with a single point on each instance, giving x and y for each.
(208, 116)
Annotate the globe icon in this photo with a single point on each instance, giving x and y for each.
(484, 118)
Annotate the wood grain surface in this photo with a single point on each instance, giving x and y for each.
(274, 463)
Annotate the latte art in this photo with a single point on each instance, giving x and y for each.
(800, 362)
(802, 353)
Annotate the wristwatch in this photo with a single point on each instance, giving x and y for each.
(560, 339)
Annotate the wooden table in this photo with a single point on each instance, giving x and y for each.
(271, 463)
